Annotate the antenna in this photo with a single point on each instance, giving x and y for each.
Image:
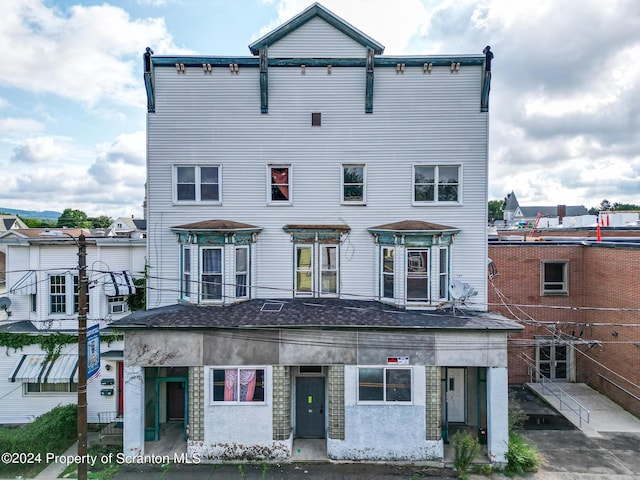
(460, 291)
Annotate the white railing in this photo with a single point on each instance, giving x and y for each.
(554, 389)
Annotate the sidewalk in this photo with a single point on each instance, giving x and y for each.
(54, 469)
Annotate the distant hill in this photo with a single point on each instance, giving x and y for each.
(46, 215)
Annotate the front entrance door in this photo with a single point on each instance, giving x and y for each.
(310, 407)
(456, 395)
(175, 400)
(553, 361)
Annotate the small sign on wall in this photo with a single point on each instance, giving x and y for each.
(398, 360)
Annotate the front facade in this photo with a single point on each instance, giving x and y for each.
(578, 302)
(42, 299)
(308, 209)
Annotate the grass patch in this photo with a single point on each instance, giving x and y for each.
(101, 470)
(53, 433)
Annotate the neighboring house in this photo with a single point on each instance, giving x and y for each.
(7, 222)
(306, 223)
(129, 227)
(43, 288)
(10, 222)
(514, 213)
(578, 300)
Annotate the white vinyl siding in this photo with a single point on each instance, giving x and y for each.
(221, 113)
(317, 39)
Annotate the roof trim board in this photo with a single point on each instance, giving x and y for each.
(313, 11)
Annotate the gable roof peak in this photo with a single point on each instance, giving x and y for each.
(313, 11)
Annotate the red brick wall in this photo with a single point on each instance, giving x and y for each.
(604, 277)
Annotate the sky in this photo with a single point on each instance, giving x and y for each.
(564, 106)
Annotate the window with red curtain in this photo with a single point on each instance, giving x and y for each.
(279, 184)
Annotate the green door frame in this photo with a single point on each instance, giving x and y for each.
(160, 380)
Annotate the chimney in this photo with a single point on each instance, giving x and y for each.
(562, 212)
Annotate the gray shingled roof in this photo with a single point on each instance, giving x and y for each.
(308, 313)
(572, 211)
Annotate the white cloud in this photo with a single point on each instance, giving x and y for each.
(20, 125)
(390, 23)
(40, 150)
(86, 54)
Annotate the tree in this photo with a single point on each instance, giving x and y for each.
(38, 223)
(101, 222)
(496, 208)
(73, 219)
(605, 205)
(625, 207)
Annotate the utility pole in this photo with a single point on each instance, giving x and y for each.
(82, 357)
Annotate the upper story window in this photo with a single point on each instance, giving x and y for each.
(418, 288)
(197, 183)
(384, 385)
(316, 270)
(242, 272)
(215, 261)
(316, 259)
(353, 185)
(185, 283)
(211, 275)
(279, 181)
(414, 265)
(64, 294)
(555, 277)
(436, 184)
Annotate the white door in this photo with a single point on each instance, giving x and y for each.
(456, 398)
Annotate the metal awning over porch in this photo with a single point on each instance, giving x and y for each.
(33, 368)
(119, 283)
(26, 285)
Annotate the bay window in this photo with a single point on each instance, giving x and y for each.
(417, 275)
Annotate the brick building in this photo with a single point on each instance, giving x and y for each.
(580, 304)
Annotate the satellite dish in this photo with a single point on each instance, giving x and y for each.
(460, 290)
(5, 303)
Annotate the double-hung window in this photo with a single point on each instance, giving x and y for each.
(418, 275)
(242, 272)
(353, 185)
(197, 183)
(555, 278)
(384, 384)
(185, 283)
(279, 181)
(211, 274)
(238, 385)
(64, 294)
(436, 184)
(387, 273)
(316, 270)
(443, 273)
